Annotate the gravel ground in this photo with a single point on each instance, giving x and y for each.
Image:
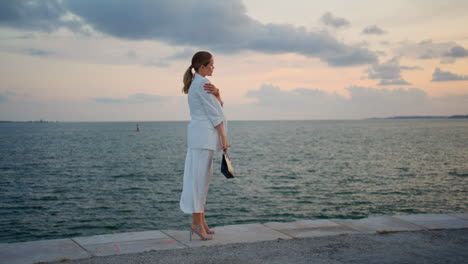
(443, 246)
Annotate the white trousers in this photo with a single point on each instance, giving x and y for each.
(197, 177)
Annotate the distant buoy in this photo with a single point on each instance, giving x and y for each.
(138, 128)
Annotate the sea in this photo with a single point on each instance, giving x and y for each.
(61, 180)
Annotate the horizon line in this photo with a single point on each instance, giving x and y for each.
(188, 120)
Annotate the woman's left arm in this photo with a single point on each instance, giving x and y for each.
(211, 89)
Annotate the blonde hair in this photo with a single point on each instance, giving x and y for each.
(200, 58)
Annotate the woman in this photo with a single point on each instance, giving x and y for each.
(205, 134)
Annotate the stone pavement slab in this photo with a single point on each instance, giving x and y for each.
(126, 247)
(246, 233)
(460, 215)
(434, 221)
(123, 243)
(41, 251)
(120, 237)
(310, 228)
(374, 224)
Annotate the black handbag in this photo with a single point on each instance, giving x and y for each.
(226, 166)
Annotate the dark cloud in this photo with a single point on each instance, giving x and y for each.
(389, 72)
(30, 14)
(427, 49)
(132, 99)
(457, 52)
(44, 15)
(352, 57)
(373, 30)
(447, 52)
(332, 21)
(394, 82)
(444, 76)
(221, 26)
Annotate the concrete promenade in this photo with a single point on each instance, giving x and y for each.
(306, 241)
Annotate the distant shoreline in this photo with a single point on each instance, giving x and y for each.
(421, 117)
(40, 121)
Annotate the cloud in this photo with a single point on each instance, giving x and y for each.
(21, 36)
(385, 43)
(185, 54)
(394, 82)
(37, 52)
(182, 55)
(270, 95)
(457, 52)
(443, 76)
(7, 96)
(373, 30)
(28, 14)
(220, 26)
(131, 54)
(386, 102)
(138, 98)
(169, 108)
(363, 102)
(27, 50)
(4, 99)
(274, 103)
(448, 52)
(389, 72)
(332, 21)
(163, 63)
(44, 15)
(457, 100)
(270, 103)
(352, 57)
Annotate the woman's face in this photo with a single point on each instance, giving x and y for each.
(208, 69)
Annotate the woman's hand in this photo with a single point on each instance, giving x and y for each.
(211, 89)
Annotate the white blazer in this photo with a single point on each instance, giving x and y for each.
(206, 113)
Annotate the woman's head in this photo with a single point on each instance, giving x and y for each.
(202, 63)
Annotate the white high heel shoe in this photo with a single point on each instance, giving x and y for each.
(197, 231)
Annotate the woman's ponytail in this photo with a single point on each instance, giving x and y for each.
(188, 76)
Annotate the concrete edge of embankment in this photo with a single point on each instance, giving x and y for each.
(136, 242)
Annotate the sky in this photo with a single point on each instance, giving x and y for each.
(116, 60)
